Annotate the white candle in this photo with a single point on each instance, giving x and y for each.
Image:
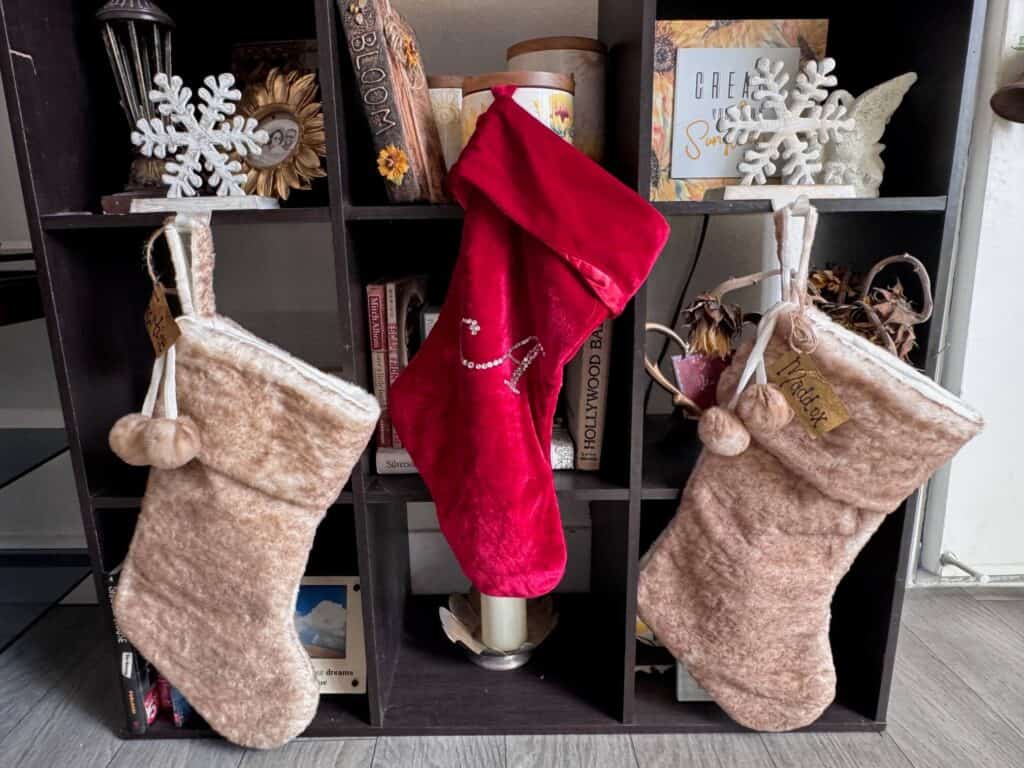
(503, 621)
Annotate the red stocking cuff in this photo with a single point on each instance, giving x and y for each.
(581, 212)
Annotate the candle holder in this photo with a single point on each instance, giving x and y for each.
(462, 624)
(138, 37)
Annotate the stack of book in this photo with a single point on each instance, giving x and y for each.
(399, 321)
(146, 692)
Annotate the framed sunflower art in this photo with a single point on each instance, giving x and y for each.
(285, 105)
(700, 68)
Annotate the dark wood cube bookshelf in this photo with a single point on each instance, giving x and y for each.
(71, 142)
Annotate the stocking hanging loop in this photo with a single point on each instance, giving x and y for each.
(193, 279)
(190, 242)
(795, 260)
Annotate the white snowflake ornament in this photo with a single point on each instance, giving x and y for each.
(795, 124)
(204, 141)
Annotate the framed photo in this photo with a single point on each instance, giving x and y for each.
(700, 68)
(285, 105)
(329, 621)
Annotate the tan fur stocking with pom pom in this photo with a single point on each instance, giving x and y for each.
(241, 477)
(739, 585)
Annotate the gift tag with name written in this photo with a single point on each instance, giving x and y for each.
(163, 331)
(808, 392)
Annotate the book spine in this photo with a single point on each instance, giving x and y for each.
(391, 314)
(427, 321)
(376, 313)
(394, 461)
(375, 82)
(688, 689)
(132, 668)
(181, 710)
(590, 398)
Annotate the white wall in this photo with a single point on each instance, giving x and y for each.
(468, 37)
(976, 507)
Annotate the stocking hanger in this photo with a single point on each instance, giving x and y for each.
(185, 269)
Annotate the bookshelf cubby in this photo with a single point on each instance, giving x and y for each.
(71, 143)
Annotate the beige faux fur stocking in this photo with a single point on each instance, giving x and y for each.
(207, 592)
(739, 586)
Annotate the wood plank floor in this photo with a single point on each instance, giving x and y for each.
(958, 701)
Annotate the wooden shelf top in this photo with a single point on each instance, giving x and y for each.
(928, 204)
(436, 689)
(657, 709)
(582, 486)
(421, 212)
(57, 222)
(397, 212)
(336, 716)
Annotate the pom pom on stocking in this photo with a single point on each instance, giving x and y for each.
(722, 432)
(764, 409)
(143, 441)
(126, 439)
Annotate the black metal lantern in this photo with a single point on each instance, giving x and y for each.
(138, 36)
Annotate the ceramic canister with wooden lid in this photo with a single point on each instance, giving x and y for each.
(586, 60)
(545, 95)
(446, 102)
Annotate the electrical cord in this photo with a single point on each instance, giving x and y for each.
(681, 303)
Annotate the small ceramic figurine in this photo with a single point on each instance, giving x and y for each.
(857, 159)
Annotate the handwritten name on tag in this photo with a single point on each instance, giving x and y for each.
(160, 325)
(809, 394)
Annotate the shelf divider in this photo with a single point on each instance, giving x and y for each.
(923, 204)
(403, 212)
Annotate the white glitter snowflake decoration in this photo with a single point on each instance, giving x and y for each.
(204, 142)
(795, 124)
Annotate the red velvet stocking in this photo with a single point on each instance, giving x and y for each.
(551, 246)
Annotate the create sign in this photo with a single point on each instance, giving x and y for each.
(707, 81)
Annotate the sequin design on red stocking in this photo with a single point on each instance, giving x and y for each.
(512, 382)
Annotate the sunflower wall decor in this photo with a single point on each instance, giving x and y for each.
(285, 105)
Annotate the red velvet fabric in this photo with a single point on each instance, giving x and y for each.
(551, 246)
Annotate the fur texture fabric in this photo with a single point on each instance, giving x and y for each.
(552, 245)
(207, 592)
(739, 585)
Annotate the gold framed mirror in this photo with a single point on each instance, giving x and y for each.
(285, 105)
